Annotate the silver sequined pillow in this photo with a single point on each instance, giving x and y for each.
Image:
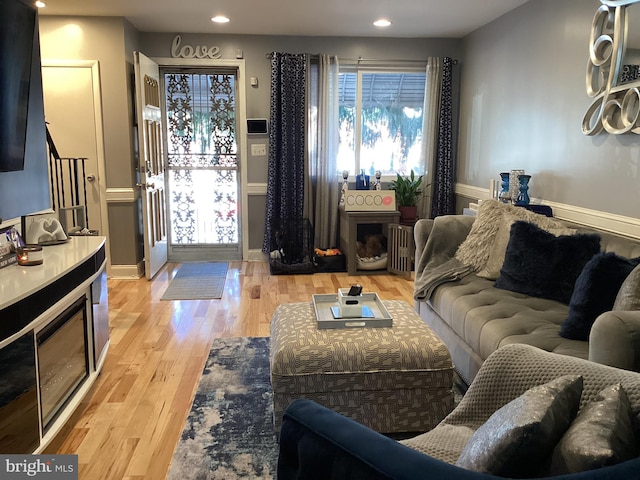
(518, 439)
(628, 297)
(601, 435)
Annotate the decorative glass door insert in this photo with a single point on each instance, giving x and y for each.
(202, 157)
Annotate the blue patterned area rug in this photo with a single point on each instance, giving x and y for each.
(229, 431)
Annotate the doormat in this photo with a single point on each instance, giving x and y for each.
(197, 281)
(229, 431)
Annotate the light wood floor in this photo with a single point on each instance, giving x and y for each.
(129, 424)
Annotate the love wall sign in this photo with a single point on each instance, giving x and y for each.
(189, 51)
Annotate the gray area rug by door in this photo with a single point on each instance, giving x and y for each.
(229, 431)
(197, 281)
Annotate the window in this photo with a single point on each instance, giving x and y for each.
(380, 121)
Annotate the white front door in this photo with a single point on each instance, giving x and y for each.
(203, 163)
(151, 164)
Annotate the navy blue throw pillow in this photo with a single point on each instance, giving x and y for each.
(539, 264)
(595, 292)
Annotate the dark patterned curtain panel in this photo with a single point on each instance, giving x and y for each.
(443, 200)
(285, 183)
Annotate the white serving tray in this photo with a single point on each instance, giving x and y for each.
(322, 304)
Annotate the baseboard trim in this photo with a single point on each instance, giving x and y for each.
(609, 222)
(256, 255)
(127, 272)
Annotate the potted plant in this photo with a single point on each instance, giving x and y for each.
(407, 190)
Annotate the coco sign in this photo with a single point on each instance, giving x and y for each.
(189, 51)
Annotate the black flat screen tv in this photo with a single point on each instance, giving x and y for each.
(23, 191)
(16, 49)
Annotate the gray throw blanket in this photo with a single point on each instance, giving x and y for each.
(437, 264)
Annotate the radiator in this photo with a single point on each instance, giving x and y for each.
(400, 250)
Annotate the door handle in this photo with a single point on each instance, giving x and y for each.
(144, 186)
(91, 178)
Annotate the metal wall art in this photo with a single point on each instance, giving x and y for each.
(613, 80)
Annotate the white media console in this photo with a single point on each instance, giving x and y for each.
(54, 336)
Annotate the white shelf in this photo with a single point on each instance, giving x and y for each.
(18, 282)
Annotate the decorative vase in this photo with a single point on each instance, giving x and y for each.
(504, 195)
(514, 185)
(523, 190)
(362, 181)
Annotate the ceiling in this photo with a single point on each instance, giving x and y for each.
(352, 18)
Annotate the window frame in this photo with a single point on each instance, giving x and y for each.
(360, 70)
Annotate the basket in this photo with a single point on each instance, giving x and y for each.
(330, 263)
(292, 248)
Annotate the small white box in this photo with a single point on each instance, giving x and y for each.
(349, 305)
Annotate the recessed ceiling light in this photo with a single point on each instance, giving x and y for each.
(383, 22)
(40, 4)
(220, 19)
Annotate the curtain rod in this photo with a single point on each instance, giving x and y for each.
(362, 59)
(398, 60)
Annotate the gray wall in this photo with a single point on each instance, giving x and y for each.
(110, 41)
(101, 39)
(255, 49)
(134, 210)
(522, 105)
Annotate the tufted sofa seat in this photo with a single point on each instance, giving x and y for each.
(473, 318)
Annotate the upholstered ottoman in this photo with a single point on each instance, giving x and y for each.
(397, 379)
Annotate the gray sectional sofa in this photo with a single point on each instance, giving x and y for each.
(474, 317)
